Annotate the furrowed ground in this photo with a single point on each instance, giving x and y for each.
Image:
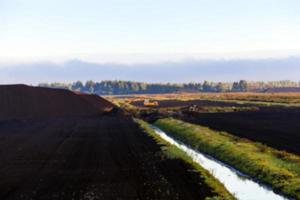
(276, 168)
(90, 158)
(272, 119)
(55, 144)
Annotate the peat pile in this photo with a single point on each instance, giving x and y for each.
(21, 101)
(97, 102)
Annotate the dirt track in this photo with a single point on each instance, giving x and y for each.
(104, 157)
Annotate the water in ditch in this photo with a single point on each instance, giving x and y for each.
(241, 186)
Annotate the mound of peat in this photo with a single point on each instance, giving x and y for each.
(21, 101)
(97, 102)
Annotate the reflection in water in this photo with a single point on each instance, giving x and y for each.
(239, 185)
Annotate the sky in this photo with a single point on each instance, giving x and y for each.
(147, 33)
(118, 30)
(164, 72)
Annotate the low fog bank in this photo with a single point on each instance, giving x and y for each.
(184, 71)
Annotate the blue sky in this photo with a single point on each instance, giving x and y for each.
(145, 30)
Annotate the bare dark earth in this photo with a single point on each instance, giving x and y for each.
(178, 103)
(106, 157)
(278, 127)
(275, 126)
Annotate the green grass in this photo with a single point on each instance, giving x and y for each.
(172, 152)
(278, 169)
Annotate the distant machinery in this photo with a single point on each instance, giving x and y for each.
(150, 103)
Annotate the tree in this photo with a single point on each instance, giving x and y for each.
(77, 86)
(221, 87)
(243, 85)
(206, 86)
(89, 86)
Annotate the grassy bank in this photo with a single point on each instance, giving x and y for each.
(172, 152)
(279, 169)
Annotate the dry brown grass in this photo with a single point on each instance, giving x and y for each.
(245, 97)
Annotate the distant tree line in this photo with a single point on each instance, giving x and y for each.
(130, 87)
